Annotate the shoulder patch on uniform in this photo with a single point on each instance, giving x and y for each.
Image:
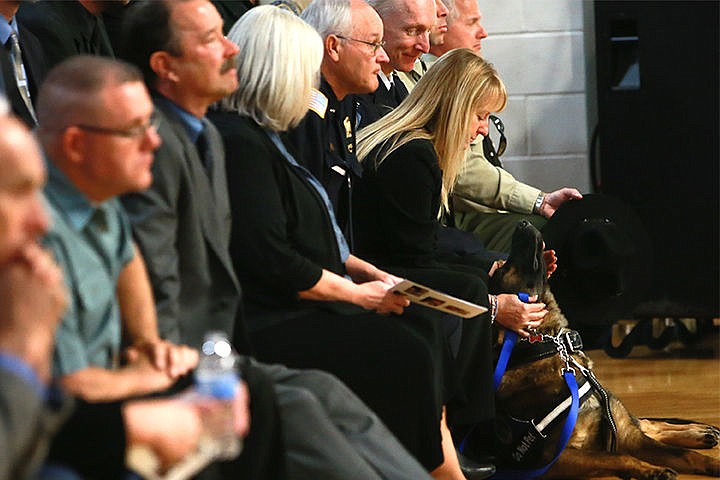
(318, 102)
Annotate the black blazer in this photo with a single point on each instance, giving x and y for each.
(65, 29)
(35, 69)
(396, 209)
(282, 234)
(396, 206)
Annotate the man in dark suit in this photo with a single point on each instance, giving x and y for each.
(21, 82)
(407, 25)
(69, 27)
(182, 225)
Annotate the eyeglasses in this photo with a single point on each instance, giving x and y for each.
(375, 45)
(502, 143)
(132, 132)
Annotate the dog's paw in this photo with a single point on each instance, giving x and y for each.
(702, 436)
(698, 436)
(712, 437)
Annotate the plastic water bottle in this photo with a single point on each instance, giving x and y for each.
(217, 377)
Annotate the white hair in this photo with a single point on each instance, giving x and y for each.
(278, 65)
(329, 17)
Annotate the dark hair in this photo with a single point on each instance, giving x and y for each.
(147, 29)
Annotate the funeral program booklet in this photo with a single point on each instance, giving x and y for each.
(423, 295)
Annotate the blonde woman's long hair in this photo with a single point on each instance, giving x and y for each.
(439, 109)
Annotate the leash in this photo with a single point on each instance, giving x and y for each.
(574, 400)
(507, 348)
(509, 342)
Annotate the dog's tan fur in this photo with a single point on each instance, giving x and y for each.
(646, 449)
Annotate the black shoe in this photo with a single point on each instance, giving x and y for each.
(474, 470)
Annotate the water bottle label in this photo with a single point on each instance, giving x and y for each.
(220, 386)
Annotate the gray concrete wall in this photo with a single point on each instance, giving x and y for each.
(538, 47)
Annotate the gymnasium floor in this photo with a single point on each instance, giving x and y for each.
(676, 382)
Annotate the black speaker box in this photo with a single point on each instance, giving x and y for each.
(657, 94)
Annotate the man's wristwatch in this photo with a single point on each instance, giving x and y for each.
(539, 203)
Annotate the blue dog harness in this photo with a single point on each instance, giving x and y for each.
(525, 438)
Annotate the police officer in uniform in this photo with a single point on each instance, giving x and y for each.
(325, 139)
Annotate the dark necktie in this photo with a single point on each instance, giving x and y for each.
(20, 76)
(204, 150)
(398, 89)
(99, 42)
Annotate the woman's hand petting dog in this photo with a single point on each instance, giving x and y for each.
(520, 317)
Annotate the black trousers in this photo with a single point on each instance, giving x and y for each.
(473, 401)
(396, 364)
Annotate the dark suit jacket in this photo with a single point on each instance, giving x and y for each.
(382, 101)
(65, 29)
(182, 226)
(35, 69)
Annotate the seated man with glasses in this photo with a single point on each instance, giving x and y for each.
(407, 25)
(100, 144)
(352, 35)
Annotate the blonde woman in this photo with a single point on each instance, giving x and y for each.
(436, 124)
(411, 158)
(309, 303)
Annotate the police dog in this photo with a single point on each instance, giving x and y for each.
(607, 439)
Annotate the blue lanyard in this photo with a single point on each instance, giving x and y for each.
(507, 348)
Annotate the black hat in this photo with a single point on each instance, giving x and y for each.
(604, 259)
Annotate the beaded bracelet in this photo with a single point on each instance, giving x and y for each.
(493, 308)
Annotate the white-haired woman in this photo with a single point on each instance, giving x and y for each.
(309, 303)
